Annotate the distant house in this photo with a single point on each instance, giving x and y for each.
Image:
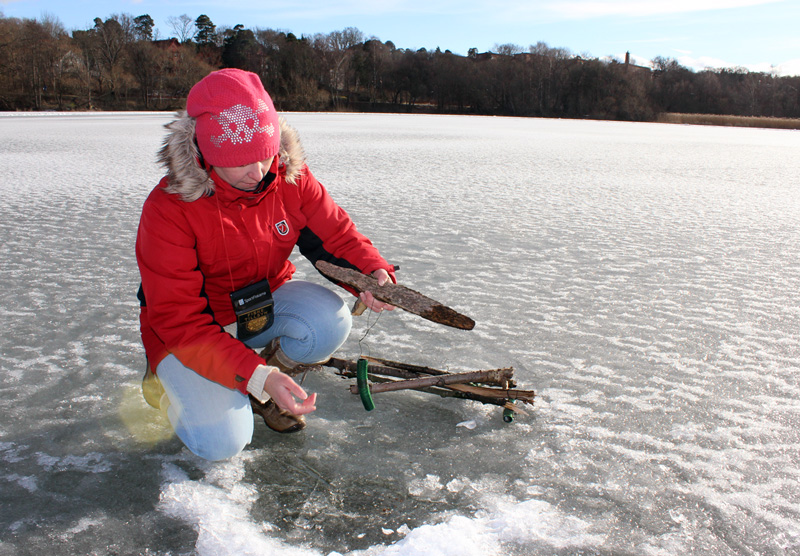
(171, 45)
(633, 68)
(484, 56)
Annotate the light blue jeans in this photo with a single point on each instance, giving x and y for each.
(215, 422)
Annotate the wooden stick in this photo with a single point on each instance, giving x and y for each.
(453, 391)
(415, 369)
(497, 394)
(349, 368)
(418, 369)
(526, 396)
(503, 376)
(490, 377)
(358, 308)
(491, 396)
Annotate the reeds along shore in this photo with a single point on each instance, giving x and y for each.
(733, 121)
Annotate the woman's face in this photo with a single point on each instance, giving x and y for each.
(245, 177)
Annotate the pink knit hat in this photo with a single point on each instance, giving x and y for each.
(236, 120)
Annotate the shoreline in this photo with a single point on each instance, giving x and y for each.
(728, 121)
(764, 122)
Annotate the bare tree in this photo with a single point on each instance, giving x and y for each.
(371, 63)
(508, 49)
(336, 50)
(182, 26)
(60, 58)
(112, 37)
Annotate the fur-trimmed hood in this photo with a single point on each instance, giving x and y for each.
(180, 156)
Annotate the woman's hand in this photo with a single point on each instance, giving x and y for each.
(284, 391)
(366, 297)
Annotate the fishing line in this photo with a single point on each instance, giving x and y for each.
(366, 333)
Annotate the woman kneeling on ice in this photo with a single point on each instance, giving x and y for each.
(213, 251)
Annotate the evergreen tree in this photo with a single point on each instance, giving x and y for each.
(241, 50)
(206, 31)
(143, 28)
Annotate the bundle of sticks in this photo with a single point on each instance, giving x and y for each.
(495, 387)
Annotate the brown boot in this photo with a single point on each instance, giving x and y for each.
(151, 388)
(276, 418)
(275, 357)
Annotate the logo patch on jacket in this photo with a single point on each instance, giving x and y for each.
(282, 227)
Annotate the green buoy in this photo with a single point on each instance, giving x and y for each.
(363, 385)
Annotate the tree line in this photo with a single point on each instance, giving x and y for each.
(119, 65)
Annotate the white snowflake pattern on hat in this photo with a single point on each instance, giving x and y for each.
(240, 123)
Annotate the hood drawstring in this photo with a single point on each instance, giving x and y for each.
(224, 242)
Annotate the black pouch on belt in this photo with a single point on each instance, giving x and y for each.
(254, 309)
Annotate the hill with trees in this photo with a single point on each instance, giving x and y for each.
(119, 65)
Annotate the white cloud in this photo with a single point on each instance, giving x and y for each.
(587, 9)
(703, 62)
(319, 9)
(513, 10)
(792, 67)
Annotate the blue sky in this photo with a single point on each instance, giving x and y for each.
(760, 35)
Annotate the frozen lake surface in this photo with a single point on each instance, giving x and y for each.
(642, 278)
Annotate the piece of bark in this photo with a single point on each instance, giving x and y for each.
(397, 295)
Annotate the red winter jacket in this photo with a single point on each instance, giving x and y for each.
(193, 253)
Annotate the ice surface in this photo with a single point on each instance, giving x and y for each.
(641, 278)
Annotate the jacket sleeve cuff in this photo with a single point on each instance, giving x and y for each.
(255, 386)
